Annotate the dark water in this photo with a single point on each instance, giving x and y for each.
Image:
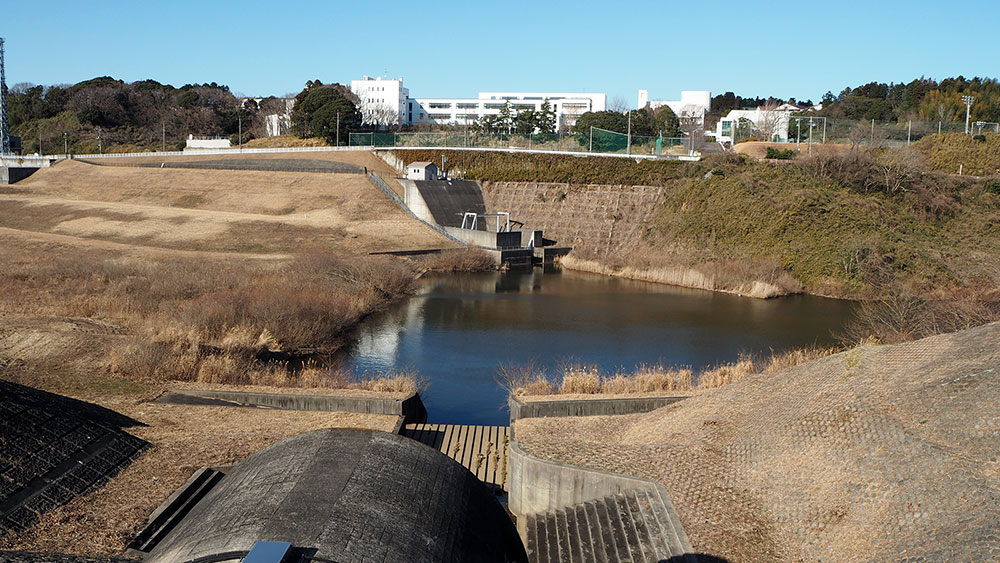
(461, 327)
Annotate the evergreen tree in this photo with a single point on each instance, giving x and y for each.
(545, 118)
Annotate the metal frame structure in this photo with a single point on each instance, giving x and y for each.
(4, 124)
(798, 128)
(980, 124)
(471, 220)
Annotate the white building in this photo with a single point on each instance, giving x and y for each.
(694, 104)
(769, 123)
(202, 143)
(568, 107)
(421, 171)
(381, 101)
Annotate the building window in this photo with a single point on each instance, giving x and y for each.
(440, 105)
(467, 106)
(727, 128)
(493, 106)
(440, 116)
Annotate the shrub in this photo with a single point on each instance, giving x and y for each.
(979, 138)
(993, 187)
(779, 154)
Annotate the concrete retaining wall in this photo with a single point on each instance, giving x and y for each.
(411, 408)
(536, 485)
(586, 407)
(392, 160)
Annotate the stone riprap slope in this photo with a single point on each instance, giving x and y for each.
(880, 452)
(53, 449)
(596, 218)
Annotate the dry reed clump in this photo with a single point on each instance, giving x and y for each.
(519, 380)
(792, 358)
(725, 374)
(662, 378)
(580, 379)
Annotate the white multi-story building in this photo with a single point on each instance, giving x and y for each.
(381, 101)
(568, 107)
(694, 104)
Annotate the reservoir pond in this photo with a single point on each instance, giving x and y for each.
(460, 327)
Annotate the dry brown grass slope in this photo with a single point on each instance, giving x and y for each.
(876, 453)
(212, 209)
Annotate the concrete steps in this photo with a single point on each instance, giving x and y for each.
(637, 527)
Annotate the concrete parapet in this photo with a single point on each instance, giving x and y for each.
(410, 408)
(537, 485)
(586, 407)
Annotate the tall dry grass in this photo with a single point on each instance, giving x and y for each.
(212, 320)
(647, 378)
(724, 374)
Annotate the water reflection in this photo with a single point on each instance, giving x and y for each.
(459, 328)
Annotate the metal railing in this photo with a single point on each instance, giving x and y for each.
(380, 183)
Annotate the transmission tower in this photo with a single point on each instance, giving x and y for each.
(4, 128)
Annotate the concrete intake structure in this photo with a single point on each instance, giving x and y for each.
(348, 496)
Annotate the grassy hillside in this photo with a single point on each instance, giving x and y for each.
(835, 226)
(978, 156)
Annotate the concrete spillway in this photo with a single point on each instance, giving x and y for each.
(444, 202)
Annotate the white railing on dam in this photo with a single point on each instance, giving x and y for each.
(362, 148)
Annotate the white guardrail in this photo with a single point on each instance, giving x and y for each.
(360, 148)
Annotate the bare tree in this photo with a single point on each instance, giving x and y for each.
(768, 122)
(379, 114)
(618, 104)
(858, 135)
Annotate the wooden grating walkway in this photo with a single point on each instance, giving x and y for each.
(481, 449)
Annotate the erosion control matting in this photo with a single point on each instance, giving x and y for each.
(52, 449)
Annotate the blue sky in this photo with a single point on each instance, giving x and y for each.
(456, 49)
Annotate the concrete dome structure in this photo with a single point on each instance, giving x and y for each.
(347, 496)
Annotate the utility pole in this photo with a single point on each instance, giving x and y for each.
(163, 141)
(40, 139)
(338, 128)
(4, 126)
(968, 105)
(909, 128)
(239, 118)
(591, 139)
(810, 136)
(628, 147)
(100, 142)
(872, 141)
(798, 134)
(66, 144)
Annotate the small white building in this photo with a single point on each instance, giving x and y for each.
(200, 143)
(421, 171)
(694, 104)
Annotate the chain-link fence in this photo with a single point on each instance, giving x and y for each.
(597, 141)
(805, 128)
